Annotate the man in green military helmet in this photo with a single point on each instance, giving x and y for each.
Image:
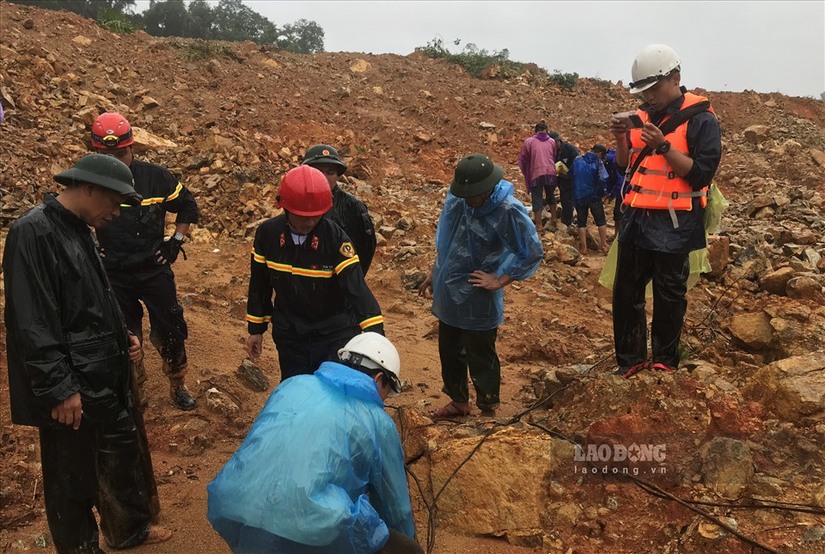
(485, 240)
(68, 359)
(347, 211)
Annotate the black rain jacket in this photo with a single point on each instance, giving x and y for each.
(308, 290)
(130, 241)
(65, 331)
(352, 216)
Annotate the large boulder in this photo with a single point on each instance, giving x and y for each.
(791, 388)
(484, 496)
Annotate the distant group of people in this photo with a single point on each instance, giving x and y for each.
(322, 468)
(585, 182)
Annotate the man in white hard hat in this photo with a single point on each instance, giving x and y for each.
(322, 469)
(671, 149)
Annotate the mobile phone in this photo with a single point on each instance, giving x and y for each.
(632, 118)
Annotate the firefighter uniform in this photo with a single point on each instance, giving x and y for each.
(128, 248)
(320, 297)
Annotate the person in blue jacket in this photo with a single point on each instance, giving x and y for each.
(485, 240)
(589, 188)
(615, 184)
(322, 469)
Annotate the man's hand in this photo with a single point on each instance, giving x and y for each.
(135, 352)
(487, 281)
(254, 344)
(652, 135)
(427, 283)
(168, 251)
(69, 411)
(619, 127)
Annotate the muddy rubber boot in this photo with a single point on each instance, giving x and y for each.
(181, 397)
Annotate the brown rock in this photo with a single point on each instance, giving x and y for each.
(482, 498)
(252, 376)
(360, 66)
(776, 282)
(727, 465)
(735, 419)
(818, 156)
(81, 40)
(491, 72)
(791, 388)
(752, 330)
(147, 102)
(804, 288)
(757, 133)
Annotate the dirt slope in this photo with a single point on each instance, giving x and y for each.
(242, 115)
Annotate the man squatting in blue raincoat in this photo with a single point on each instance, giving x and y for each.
(322, 469)
(485, 241)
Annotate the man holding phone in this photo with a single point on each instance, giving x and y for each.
(672, 146)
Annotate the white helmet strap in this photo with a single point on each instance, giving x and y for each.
(360, 361)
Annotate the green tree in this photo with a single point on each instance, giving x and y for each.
(302, 37)
(202, 20)
(234, 21)
(167, 18)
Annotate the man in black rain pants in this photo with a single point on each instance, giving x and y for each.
(138, 258)
(68, 359)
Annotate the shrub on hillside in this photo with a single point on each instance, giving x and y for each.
(197, 49)
(475, 60)
(115, 21)
(566, 81)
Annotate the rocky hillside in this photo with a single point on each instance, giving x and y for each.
(743, 421)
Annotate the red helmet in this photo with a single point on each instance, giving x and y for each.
(111, 130)
(305, 191)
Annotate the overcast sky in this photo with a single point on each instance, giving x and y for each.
(730, 46)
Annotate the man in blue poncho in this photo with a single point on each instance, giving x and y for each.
(322, 469)
(485, 241)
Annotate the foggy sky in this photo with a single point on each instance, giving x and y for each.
(724, 46)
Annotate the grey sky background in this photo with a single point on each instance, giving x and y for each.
(725, 46)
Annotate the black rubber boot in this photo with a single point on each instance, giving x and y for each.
(182, 398)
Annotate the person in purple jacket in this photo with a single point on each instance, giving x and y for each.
(537, 162)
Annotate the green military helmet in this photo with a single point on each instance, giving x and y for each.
(104, 171)
(320, 154)
(475, 175)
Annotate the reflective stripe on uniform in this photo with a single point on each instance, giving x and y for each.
(345, 264)
(159, 199)
(256, 319)
(376, 320)
(292, 270)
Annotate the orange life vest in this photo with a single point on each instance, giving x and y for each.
(654, 185)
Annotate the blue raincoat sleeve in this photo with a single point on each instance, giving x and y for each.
(389, 493)
(497, 237)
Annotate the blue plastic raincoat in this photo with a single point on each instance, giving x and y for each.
(497, 237)
(322, 466)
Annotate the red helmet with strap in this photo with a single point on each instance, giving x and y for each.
(111, 130)
(305, 191)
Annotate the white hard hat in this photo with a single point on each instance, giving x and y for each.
(652, 64)
(374, 351)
